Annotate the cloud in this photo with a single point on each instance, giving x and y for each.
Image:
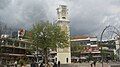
(86, 16)
(21, 13)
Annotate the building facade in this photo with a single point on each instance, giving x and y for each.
(92, 48)
(12, 50)
(117, 51)
(88, 50)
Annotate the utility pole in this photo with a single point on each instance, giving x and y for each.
(37, 54)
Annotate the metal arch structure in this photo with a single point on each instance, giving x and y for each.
(117, 32)
(101, 36)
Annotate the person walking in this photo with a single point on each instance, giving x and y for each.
(41, 65)
(55, 65)
(91, 64)
(33, 64)
(58, 63)
(15, 63)
(94, 63)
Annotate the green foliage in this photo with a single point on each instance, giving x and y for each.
(89, 57)
(26, 36)
(113, 56)
(76, 49)
(47, 35)
(22, 62)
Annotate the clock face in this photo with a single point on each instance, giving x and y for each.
(59, 10)
(64, 13)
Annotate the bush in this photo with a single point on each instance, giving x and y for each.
(22, 62)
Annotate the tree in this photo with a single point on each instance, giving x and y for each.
(47, 36)
(77, 49)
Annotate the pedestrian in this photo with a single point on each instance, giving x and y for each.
(58, 63)
(94, 63)
(91, 64)
(107, 61)
(41, 65)
(15, 63)
(55, 64)
(33, 64)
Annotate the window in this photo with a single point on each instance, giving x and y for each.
(67, 60)
(16, 44)
(10, 42)
(63, 17)
(22, 45)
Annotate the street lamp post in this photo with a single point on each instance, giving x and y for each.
(37, 55)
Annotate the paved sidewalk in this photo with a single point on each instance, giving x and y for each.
(84, 65)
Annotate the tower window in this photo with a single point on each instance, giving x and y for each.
(63, 17)
(67, 60)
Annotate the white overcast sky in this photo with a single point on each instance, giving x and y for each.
(86, 16)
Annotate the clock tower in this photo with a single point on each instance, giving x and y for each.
(63, 54)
